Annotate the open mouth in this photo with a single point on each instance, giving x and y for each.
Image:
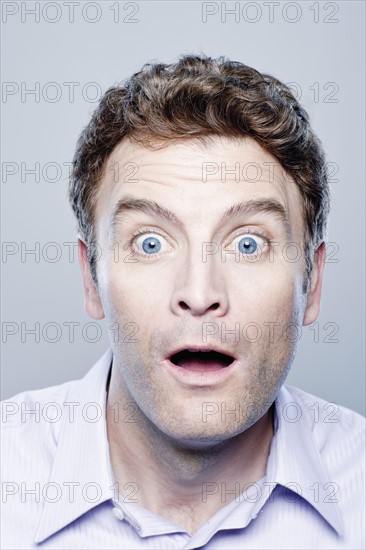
(201, 361)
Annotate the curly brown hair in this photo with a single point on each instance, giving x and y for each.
(199, 97)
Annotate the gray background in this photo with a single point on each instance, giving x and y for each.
(43, 129)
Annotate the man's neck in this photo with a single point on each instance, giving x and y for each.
(176, 482)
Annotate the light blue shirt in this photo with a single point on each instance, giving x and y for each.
(58, 489)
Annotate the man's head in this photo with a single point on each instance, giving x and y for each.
(212, 264)
(196, 98)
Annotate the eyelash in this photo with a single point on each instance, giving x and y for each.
(255, 231)
(143, 230)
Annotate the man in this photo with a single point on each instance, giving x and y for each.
(202, 199)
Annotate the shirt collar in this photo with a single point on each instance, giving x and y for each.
(295, 460)
(82, 456)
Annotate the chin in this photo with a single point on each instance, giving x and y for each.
(207, 438)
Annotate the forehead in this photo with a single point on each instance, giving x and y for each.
(189, 176)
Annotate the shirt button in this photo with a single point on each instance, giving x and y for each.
(118, 513)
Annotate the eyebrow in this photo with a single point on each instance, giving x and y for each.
(129, 203)
(267, 206)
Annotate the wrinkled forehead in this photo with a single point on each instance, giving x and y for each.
(190, 170)
(219, 158)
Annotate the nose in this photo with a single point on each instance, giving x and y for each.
(200, 290)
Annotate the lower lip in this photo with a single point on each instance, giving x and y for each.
(206, 377)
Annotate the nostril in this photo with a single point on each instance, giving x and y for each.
(183, 305)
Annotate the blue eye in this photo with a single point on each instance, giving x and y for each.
(147, 243)
(251, 244)
(151, 245)
(247, 245)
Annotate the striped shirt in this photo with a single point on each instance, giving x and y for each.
(58, 489)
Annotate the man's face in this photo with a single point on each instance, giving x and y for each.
(181, 284)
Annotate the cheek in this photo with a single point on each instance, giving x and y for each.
(136, 294)
(268, 294)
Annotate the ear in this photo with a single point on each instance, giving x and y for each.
(314, 293)
(92, 304)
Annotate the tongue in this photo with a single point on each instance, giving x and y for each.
(200, 365)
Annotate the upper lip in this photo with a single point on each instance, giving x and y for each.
(200, 347)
